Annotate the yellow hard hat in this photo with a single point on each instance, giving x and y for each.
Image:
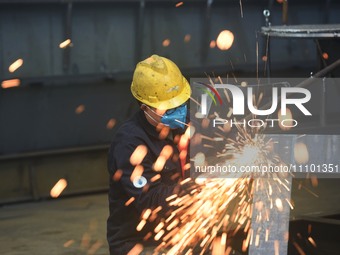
(158, 82)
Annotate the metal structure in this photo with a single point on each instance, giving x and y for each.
(111, 36)
(303, 31)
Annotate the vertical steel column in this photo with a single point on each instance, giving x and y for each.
(323, 103)
(320, 53)
(2, 53)
(266, 14)
(139, 32)
(277, 227)
(68, 35)
(33, 182)
(285, 12)
(206, 33)
(269, 59)
(326, 12)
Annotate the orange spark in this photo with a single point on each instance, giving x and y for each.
(325, 55)
(286, 119)
(15, 65)
(131, 199)
(227, 127)
(183, 142)
(141, 225)
(155, 178)
(311, 240)
(276, 247)
(205, 123)
(257, 240)
(159, 235)
(187, 166)
(171, 197)
(199, 159)
(137, 249)
(205, 240)
(212, 44)
(58, 188)
(159, 227)
(183, 154)
(189, 252)
(228, 251)
(94, 247)
(137, 172)
(314, 180)
(68, 243)
(147, 236)
(179, 4)
(224, 239)
(166, 43)
(286, 236)
(290, 204)
(167, 151)
(80, 109)
(217, 249)
(267, 235)
(138, 155)
(245, 243)
(197, 139)
(187, 38)
(155, 211)
(225, 40)
(10, 83)
(244, 84)
(146, 214)
(159, 164)
(189, 132)
(279, 205)
(65, 43)
(309, 229)
(117, 175)
(301, 154)
(111, 123)
(163, 131)
(85, 241)
(298, 248)
(173, 224)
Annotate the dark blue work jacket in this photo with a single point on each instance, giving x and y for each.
(121, 224)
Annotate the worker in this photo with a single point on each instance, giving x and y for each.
(135, 184)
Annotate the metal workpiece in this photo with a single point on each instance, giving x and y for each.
(303, 31)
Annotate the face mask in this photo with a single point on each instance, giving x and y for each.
(175, 118)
